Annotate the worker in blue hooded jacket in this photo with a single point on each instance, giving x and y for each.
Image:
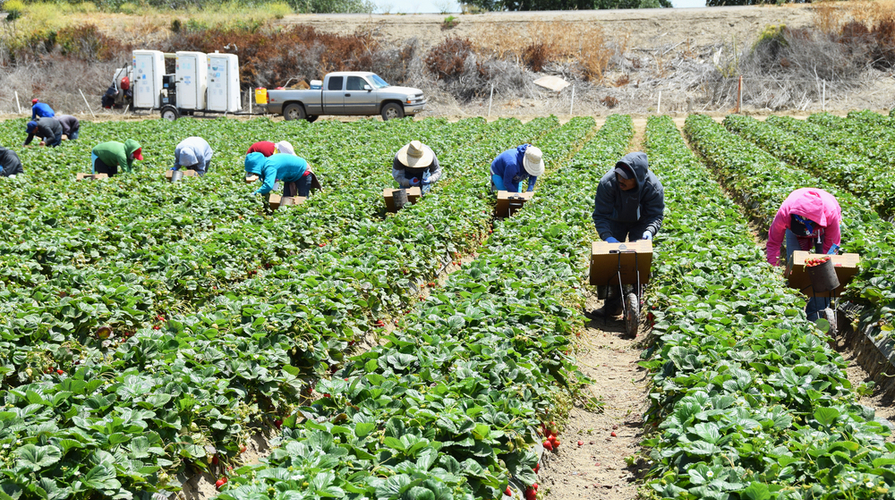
(193, 153)
(629, 206)
(293, 171)
(514, 166)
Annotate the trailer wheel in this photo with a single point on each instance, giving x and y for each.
(312, 118)
(392, 110)
(294, 111)
(170, 112)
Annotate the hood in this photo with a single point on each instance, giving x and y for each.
(254, 163)
(814, 204)
(402, 90)
(638, 163)
(132, 147)
(188, 157)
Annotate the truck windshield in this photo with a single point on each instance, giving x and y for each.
(378, 82)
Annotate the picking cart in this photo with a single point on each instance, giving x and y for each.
(626, 266)
(826, 280)
(508, 203)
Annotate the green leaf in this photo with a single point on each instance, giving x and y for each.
(826, 416)
(35, 458)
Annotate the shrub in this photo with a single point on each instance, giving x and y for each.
(447, 60)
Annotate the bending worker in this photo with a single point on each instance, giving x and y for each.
(108, 156)
(808, 218)
(268, 148)
(193, 153)
(514, 166)
(416, 165)
(41, 110)
(292, 170)
(70, 126)
(48, 129)
(629, 206)
(10, 165)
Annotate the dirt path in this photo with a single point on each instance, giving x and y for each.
(598, 467)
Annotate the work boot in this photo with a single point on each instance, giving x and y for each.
(611, 308)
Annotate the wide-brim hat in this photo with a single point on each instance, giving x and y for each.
(533, 161)
(415, 154)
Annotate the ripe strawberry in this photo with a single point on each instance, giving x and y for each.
(548, 445)
(220, 482)
(214, 460)
(508, 492)
(242, 449)
(322, 244)
(580, 443)
(60, 372)
(278, 422)
(326, 395)
(537, 467)
(556, 444)
(613, 434)
(534, 486)
(552, 438)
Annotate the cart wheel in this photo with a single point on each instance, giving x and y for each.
(830, 316)
(632, 315)
(170, 112)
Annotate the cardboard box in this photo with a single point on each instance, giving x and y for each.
(846, 266)
(413, 194)
(90, 177)
(276, 201)
(508, 203)
(186, 173)
(632, 259)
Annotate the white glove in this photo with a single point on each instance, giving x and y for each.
(647, 235)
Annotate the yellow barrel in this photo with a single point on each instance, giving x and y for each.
(261, 95)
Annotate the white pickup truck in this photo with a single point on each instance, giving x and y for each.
(347, 93)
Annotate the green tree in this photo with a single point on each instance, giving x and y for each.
(722, 3)
(333, 6)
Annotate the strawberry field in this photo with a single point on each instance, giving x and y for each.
(417, 355)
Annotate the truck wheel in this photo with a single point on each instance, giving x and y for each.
(170, 112)
(392, 110)
(294, 111)
(312, 118)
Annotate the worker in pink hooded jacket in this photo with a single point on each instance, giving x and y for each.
(809, 218)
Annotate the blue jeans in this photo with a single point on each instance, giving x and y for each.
(302, 186)
(815, 305)
(55, 141)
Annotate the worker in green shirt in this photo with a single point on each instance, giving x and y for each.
(108, 156)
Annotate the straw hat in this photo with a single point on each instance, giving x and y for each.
(533, 161)
(415, 155)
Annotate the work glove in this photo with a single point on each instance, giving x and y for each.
(611, 240)
(647, 235)
(414, 182)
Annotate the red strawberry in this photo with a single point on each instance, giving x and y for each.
(548, 445)
(242, 449)
(580, 443)
(556, 444)
(613, 434)
(534, 486)
(214, 460)
(537, 467)
(60, 372)
(278, 422)
(220, 482)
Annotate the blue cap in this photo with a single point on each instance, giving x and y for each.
(31, 126)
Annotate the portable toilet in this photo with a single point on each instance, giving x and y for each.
(149, 66)
(190, 71)
(223, 83)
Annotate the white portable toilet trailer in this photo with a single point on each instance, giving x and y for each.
(190, 72)
(223, 83)
(149, 67)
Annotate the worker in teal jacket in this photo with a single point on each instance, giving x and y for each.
(293, 171)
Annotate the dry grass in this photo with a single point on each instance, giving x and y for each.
(538, 43)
